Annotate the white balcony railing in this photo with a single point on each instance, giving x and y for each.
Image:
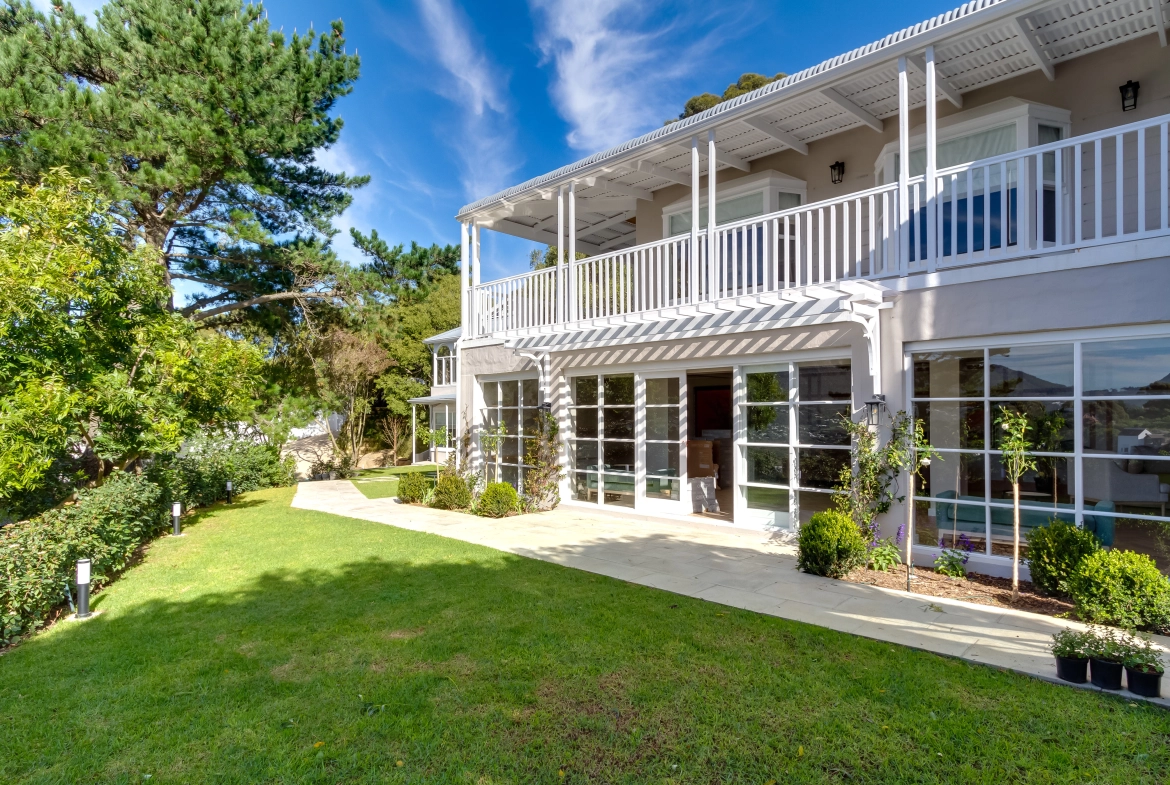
(1106, 187)
(444, 370)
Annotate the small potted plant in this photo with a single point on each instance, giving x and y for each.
(1070, 648)
(1106, 657)
(1143, 668)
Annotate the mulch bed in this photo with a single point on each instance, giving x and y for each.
(978, 588)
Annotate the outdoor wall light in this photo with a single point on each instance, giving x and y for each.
(873, 409)
(176, 513)
(544, 407)
(1129, 92)
(837, 172)
(83, 588)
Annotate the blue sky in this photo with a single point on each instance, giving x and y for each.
(460, 99)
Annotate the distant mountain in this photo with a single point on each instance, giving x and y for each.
(1007, 381)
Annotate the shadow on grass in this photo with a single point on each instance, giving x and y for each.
(468, 665)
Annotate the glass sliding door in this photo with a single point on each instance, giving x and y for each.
(617, 440)
(513, 404)
(661, 431)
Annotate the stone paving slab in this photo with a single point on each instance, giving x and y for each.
(735, 567)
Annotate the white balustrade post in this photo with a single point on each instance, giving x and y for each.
(476, 277)
(932, 211)
(464, 278)
(693, 273)
(571, 277)
(560, 248)
(712, 264)
(903, 166)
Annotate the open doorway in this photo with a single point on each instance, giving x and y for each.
(710, 446)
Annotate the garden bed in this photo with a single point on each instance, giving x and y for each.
(978, 588)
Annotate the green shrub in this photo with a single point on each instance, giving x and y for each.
(883, 556)
(1121, 588)
(38, 556)
(413, 487)
(497, 500)
(830, 544)
(1054, 551)
(201, 474)
(451, 493)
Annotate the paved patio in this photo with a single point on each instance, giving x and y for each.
(734, 567)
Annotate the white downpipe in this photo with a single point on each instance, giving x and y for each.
(560, 250)
(711, 261)
(931, 162)
(571, 283)
(903, 166)
(694, 265)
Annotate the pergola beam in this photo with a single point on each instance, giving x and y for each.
(505, 226)
(607, 223)
(724, 157)
(948, 92)
(621, 188)
(853, 109)
(1032, 44)
(779, 135)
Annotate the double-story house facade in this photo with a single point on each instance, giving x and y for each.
(967, 215)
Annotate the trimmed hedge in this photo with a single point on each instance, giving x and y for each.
(1055, 551)
(412, 487)
(497, 500)
(38, 556)
(830, 544)
(1121, 588)
(451, 493)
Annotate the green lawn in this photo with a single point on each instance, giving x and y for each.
(383, 483)
(279, 645)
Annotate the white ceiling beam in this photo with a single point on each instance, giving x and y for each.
(606, 204)
(722, 157)
(764, 127)
(505, 226)
(658, 170)
(607, 223)
(1161, 20)
(851, 108)
(625, 238)
(944, 87)
(621, 188)
(1032, 44)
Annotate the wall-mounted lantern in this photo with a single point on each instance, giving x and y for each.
(873, 408)
(1129, 93)
(837, 172)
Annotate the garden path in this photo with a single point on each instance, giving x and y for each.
(736, 567)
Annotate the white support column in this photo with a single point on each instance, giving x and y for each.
(694, 265)
(903, 166)
(571, 273)
(931, 162)
(711, 250)
(413, 434)
(475, 274)
(560, 252)
(464, 278)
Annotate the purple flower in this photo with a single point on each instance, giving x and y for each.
(942, 542)
(898, 537)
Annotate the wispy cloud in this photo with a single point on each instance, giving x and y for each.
(617, 71)
(478, 87)
(366, 208)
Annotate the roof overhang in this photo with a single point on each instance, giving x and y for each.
(976, 45)
(432, 399)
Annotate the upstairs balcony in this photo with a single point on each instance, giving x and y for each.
(1090, 191)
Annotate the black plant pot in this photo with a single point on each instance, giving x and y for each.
(1105, 674)
(1074, 669)
(1148, 685)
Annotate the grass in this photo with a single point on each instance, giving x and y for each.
(280, 645)
(383, 483)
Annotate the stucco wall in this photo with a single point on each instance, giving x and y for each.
(1086, 86)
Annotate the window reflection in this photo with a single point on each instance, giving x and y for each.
(1031, 371)
(1131, 367)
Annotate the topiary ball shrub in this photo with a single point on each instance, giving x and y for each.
(413, 487)
(830, 544)
(1055, 551)
(451, 493)
(1121, 588)
(497, 500)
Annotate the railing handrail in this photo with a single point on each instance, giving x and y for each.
(518, 276)
(1054, 146)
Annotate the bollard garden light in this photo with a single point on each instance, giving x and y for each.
(229, 490)
(176, 512)
(83, 588)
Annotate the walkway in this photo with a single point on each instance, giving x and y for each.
(743, 569)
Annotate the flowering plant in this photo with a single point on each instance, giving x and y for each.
(953, 561)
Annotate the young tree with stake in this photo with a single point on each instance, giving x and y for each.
(1017, 460)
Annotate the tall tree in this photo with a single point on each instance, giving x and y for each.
(202, 125)
(407, 276)
(745, 84)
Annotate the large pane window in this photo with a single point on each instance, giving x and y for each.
(512, 404)
(584, 442)
(1120, 447)
(663, 474)
(602, 451)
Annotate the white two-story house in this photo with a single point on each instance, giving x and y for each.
(968, 214)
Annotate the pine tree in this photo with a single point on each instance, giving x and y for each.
(201, 125)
